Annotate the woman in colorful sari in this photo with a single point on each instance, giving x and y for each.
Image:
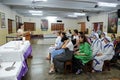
(106, 54)
(83, 56)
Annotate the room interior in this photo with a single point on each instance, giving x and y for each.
(44, 17)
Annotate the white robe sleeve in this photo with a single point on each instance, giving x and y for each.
(97, 48)
(110, 51)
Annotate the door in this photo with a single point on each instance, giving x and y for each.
(9, 26)
(83, 26)
(95, 27)
(98, 26)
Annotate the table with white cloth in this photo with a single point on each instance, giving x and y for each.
(12, 74)
(16, 51)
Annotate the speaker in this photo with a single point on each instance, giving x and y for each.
(59, 20)
(118, 12)
(87, 17)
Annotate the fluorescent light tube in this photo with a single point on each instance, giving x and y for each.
(105, 4)
(72, 15)
(37, 14)
(32, 11)
(79, 14)
(49, 17)
(38, 0)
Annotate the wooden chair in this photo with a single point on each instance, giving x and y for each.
(68, 66)
(88, 66)
(106, 65)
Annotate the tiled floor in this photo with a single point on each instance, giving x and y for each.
(39, 67)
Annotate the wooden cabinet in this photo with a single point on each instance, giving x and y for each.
(57, 27)
(29, 26)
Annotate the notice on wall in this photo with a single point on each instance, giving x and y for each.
(2, 20)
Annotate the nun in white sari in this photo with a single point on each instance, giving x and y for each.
(103, 35)
(96, 44)
(106, 54)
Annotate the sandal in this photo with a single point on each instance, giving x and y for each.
(47, 58)
(93, 71)
(51, 71)
(79, 71)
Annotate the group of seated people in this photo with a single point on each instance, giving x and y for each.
(82, 49)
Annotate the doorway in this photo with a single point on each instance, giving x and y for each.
(10, 26)
(98, 27)
(83, 26)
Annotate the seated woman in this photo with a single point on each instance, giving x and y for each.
(116, 57)
(67, 55)
(103, 35)
(57, 52)
(96, 44)
(106, 54)
(75, 38)
(57, 45)
(113, 37)
(83, 56)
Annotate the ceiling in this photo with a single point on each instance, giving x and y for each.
(59, 8)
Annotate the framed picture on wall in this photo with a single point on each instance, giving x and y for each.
(2, 20)
(17, 22)
(112, 22)
(44, 24)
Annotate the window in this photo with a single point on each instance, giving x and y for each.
(57, 27)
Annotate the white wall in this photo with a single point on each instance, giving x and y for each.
(68, 24)
(102, 17)
(9, 14)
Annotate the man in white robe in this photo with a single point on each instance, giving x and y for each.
(106, 54)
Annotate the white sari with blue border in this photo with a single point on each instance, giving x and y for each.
(96, 47)
(107, 54)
